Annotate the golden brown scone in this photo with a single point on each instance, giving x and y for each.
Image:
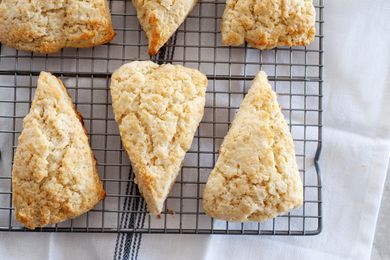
(266, 24)
(158, 109)
(160, 19)
(47, 26)
(54, 176)
(256, 176)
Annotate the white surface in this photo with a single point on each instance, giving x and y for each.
(354, 161)
(381, 249)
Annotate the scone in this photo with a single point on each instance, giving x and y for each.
(160, 19)
(266, 24)
(158, 109)
(54, 176)
(48, 26)
(256, 175)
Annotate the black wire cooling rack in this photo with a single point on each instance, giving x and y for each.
(295, 73)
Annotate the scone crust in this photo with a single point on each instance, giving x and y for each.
(47, 26)
(266, 24)
(158, 109)
(54, 176)
(256, 175)
(160, 19)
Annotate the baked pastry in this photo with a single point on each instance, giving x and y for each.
(256, 175)
(160, 19)
(48, 26)
(54, 176)
(158, 109)
(266, 24)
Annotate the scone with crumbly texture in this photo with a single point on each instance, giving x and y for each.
(54, 176)
(160, 19)
(47, 26)
(266, 24)
(256, 176)
(158, 109)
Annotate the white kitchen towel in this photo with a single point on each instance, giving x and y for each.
(350, 198)
(354, 161)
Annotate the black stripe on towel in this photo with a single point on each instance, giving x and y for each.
(128, 244)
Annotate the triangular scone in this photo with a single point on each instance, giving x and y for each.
(47, 26)
(54, 176)
(158, 109)
(256, 176)
(266, 24)
(160, 19)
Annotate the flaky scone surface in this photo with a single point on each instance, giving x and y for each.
(48, 26)
(160, 19)
(158, 109)
(266, 24)
(256, 175)
(54, 175)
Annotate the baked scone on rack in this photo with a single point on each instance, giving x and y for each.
(256, 175)
(54, 175)
(158, 109)
(48, 26)
(266, 24)
(160, 19)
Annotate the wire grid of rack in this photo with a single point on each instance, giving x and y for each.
(295, 73)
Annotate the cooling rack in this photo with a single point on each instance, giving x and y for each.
(295, 74)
